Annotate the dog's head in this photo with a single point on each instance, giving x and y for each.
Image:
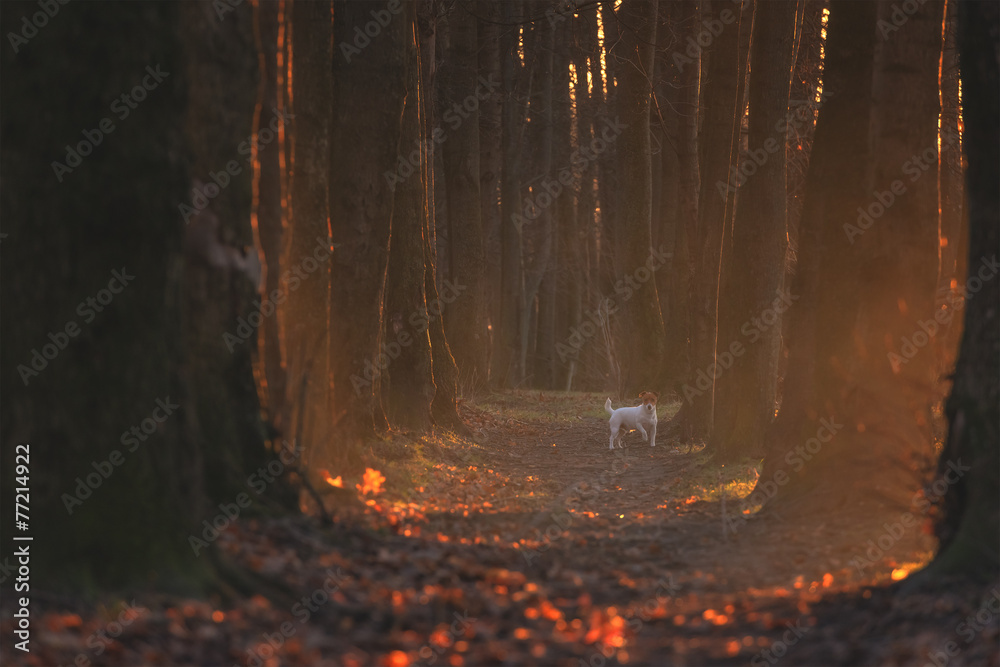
(649, 401)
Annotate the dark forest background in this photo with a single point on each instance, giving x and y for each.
(347, 217)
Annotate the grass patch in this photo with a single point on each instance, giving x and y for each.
(707, 482)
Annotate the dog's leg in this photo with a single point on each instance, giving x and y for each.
(652, 435)
(645, 436)
(614, 434)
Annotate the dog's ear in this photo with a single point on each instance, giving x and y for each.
(655, 395)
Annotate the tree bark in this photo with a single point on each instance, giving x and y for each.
(268, 213)
(490, 161)
(721, 106)
(307, 335)
(408, 385)
(862, 295)
(677, 320)
(465, 321)
(747, 349)
(143, 346)
(635, 288)
(368, 92)
(968, 527)
(506, 352)
(954, 229)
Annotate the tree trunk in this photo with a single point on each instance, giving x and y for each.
(954, 228)
(506, 352)
(553, 300)
(581, 351)
(721, 115)
(408, 384)
(307, 335)
(490, 161)
(968, 528)
(872, 285)
(536, 226)
(747, 349)
(635, 289)
(117, 363)
(368, 92)
(267, 212)
(677, 320)
(465, 321)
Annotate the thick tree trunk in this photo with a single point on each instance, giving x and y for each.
(554, 300)
(490, 161)
(307, 335)
(954, 227)
(537, 225)
(687, 73)
(221, 275)
(608, 176)
(506, 352)
(747, 349)
(850, 376)
(635, 289)
(465, 321)
(580, 352)
(798, 134)
(122, 360)
(444, 406)
(721, 115)
(368, 92)
(408, 384)
(268, 214)
(968, 528)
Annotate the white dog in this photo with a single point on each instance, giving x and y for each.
(641, 417)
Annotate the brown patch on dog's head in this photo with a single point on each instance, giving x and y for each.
(649, 397)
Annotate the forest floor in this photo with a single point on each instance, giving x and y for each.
(530, 543)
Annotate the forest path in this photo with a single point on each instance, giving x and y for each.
(530, 543)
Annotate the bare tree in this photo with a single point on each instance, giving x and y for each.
(745, 389)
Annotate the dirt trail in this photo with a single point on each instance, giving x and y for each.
(533, 544)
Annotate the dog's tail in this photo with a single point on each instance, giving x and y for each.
(607, 407)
